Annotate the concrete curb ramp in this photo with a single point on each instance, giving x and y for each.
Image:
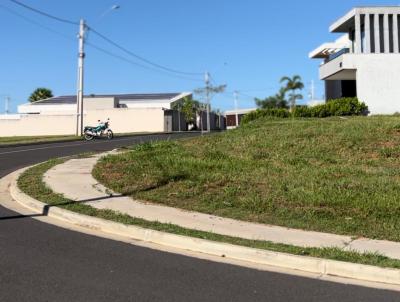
(282, 260)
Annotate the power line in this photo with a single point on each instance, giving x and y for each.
(161, 68)
(70, 38)
(109, 53)
(9, 10)
(44, 13)
(246, 95)
(140, 57)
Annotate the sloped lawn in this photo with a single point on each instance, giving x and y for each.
(332, 175)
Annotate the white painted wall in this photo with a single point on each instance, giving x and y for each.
(378, 81)
(94, 103)
(377, 76)
(121, 121)
(29, 108)
(146, 104)
(36, 124)
(125, 120)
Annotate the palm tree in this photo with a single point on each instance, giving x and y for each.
(275, 101)
(40, 94)
(293, 84)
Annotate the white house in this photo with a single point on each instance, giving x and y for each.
(365, 60)
(64, 104)
(128, 113)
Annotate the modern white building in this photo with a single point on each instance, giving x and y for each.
(365, 60)
(64, 104)
(128, 113)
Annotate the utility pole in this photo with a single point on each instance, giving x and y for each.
(7, 109)
(235, 95)
(179, 118)
(312, 90)
(79, 96)
(207, 80)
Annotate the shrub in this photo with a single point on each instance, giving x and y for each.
(337, 107)
(259, 113)
(346, 106)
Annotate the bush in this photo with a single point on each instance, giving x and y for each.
(337, 107)
(259, 113)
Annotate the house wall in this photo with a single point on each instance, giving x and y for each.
(97, 103)
(125, 120)
(174, 120)
(37, 124)
(216, 121)
(121, 121)
(378, 81)
(377, 77)
(145, 104)
(29, 108)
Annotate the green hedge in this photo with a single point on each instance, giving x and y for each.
(337, 107)
(259, 113)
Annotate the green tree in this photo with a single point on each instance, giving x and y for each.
(40, 94)
(292, 85)
(275, 101)
(189, 108)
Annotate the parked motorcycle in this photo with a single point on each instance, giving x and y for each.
(102, 130)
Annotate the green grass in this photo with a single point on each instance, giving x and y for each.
(31, 183)
(331, 175)
(16, 140)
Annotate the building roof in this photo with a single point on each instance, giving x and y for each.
(148, 97)
(327, 49)
(343, 24)
(239, 111)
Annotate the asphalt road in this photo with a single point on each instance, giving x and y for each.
(41, 262)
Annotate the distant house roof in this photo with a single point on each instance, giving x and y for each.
(71, 99)
(239, 111)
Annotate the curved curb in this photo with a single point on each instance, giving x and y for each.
(258, 256)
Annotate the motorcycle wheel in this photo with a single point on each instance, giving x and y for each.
(88, 136)
(110, 134)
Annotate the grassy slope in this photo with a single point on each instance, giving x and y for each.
(333, 175)
(31, 182)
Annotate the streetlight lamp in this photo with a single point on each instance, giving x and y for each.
(114, 7)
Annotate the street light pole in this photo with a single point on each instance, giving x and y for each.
(79, 96)
(207, 80)
(179, 118)
(235, 94)
(7, 109)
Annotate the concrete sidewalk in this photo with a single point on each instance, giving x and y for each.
(73, 179)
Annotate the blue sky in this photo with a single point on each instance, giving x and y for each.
(248, 45)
